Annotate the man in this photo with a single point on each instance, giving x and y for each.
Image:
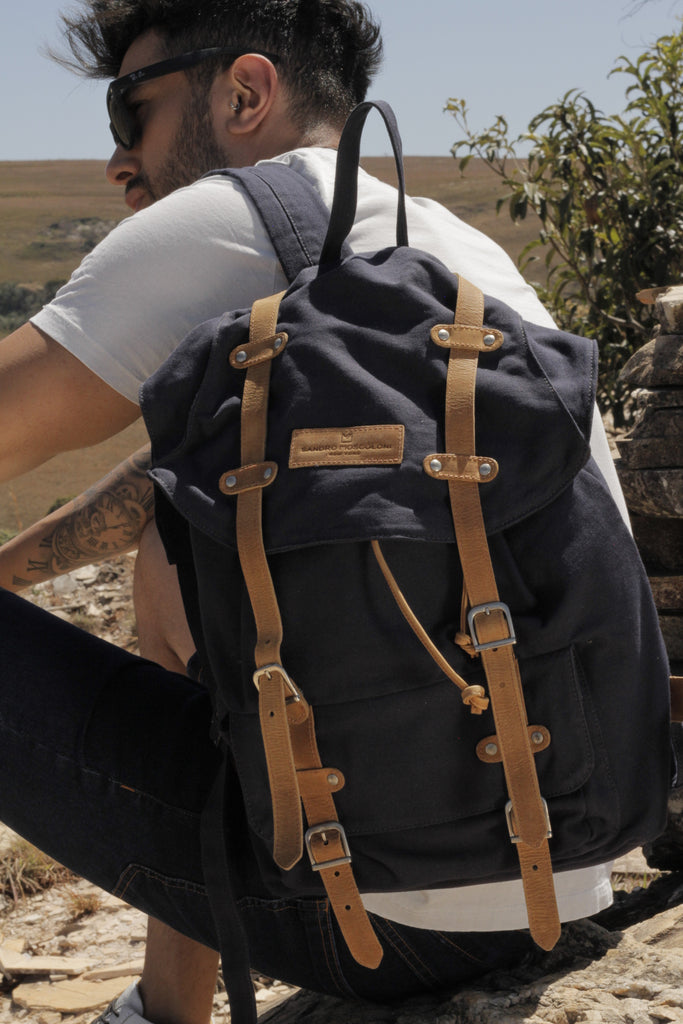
(119, 754)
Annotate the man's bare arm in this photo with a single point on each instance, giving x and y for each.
(50, 402)
(106, 520)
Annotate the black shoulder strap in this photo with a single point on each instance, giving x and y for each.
(292, 210)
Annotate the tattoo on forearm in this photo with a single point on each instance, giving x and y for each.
(107, 520)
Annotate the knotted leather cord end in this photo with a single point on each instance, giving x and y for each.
(474, 697)
(464, 640)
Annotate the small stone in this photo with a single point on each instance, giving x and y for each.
(86, 575)
(62, 586)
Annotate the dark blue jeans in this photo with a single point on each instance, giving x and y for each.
(105, 763)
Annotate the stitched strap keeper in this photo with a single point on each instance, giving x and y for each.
(476, 468)
(248, 478)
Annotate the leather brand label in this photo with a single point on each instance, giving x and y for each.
(378, 445)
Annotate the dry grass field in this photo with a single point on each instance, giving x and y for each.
(35, 198)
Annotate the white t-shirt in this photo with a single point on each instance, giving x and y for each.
(204, 250)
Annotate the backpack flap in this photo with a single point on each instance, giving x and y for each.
(360, 357)
(351, 367)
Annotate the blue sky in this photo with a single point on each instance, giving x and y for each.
(512, 57)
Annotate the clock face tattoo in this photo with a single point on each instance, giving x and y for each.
(111, 525)
(108, 519)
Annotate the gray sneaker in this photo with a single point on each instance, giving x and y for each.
(125, 1009)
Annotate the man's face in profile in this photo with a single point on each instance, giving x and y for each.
(175, 140)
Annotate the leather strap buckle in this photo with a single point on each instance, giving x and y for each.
(267, 670)
(320, 830)
(512, 828)
(486, 609)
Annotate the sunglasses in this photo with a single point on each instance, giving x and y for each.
(122, 120)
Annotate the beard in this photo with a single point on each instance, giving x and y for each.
(194, 153)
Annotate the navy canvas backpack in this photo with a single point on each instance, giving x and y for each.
(431, 646)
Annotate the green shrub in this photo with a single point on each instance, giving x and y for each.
(608, 192)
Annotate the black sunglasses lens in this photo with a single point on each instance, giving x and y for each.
(122, 121)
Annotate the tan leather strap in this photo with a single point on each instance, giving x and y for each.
(489, 621)
(473, 697)
(286, 719)
(328, 847)
(254, 419)
(287, 823)
(273, 684)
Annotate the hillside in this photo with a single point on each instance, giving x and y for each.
(50, 211)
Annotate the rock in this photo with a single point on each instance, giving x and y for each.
(662, 422)
(13, 963)
(653, 492)
(130, 969)
(657, 364)
(669, 309)
(667, 591)
(660, 542)
(86, 575)
(73, 996)
(650, 452)
(64, 585)
(672, 631)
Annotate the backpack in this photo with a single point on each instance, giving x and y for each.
(436, 637)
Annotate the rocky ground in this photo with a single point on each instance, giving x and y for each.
(65, 952)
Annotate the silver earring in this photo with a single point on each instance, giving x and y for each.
(236, 106)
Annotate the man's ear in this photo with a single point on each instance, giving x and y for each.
(245, 93)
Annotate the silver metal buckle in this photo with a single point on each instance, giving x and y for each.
(512, 829)
(486, 609)
(320, 830)
(267, 670)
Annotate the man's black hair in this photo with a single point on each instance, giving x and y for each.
(329, 50)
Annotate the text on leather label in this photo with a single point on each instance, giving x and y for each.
(377, 445)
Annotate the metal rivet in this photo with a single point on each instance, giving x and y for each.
(241, 357)
(267, 473)
(278, 344)
(333, 779)
(490, 339)
(444, 335)
(491, 749)
(435, 466)
(230, 481)
(485, 469)
(537, 738)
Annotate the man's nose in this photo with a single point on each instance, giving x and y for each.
(122, 165)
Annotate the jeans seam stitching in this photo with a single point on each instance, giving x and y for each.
(329, 946)
(405, 951)
(133, 870)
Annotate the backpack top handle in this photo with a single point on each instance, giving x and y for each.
(346, 181)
